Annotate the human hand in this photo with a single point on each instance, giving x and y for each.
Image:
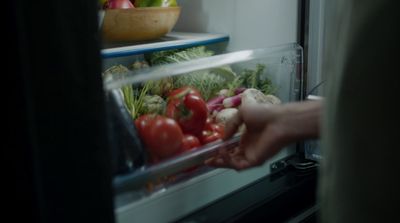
(269, 128)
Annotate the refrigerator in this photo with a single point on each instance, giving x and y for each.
(81, 157)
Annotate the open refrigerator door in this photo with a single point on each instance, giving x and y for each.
(149, 177)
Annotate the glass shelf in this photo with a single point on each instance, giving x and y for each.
(173, 40)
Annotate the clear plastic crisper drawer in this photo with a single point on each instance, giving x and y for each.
(149, 88)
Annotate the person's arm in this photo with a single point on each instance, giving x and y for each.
(269, 128)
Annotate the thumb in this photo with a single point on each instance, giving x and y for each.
(268, 144)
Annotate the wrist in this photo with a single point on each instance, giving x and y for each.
(302, 119)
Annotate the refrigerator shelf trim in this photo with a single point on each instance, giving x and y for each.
(181, 40)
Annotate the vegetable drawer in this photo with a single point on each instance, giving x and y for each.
(167, 112)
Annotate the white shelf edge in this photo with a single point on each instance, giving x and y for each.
(179, 40)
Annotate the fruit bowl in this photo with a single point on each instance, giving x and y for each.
(138, 24)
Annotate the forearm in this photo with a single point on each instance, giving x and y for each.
(302, 119)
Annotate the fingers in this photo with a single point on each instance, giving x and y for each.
(220, 160)
(240, 163)
(270, 142)
(216, 162)
(233, 159)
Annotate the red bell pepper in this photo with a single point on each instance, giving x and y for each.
(186, 106)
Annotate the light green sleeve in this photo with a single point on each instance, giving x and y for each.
(360, 173)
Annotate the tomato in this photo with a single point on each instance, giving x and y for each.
(162, 136)
(214, 127)
(219, 128)
(153, 159)
(190, 142)
(209, 136)
(143, 122)
(190, 111)
(208, 124)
